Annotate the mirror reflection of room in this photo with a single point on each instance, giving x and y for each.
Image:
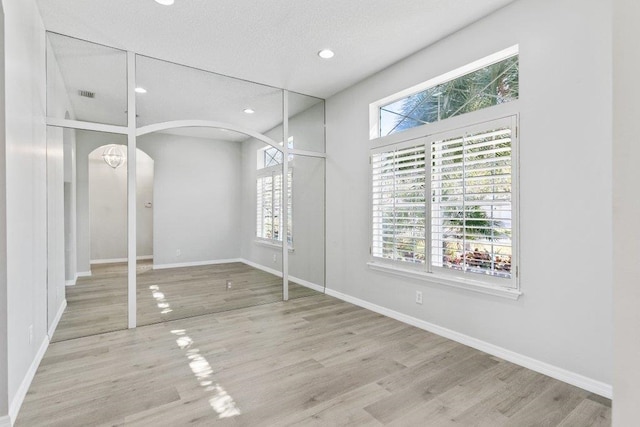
(215, 214)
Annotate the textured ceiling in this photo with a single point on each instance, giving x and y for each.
(271, 42)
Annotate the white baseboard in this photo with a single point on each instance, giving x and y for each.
(16, 403)
(261, 267)
(5, 421)
(307, 284)
(73, 281)
(299, 281)
(552, 371)
(117, 260)
(195, 263)
(56, 320)
(83, 274)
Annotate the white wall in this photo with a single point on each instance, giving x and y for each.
(196, 198)
(86, 142)
(108, 207)
(564, 317)
(144, 214)
(626, 211)
(26, 192)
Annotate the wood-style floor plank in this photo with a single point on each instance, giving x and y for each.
(98, 304)
(313, 361)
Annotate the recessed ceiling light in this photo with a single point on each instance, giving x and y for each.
(249, 111)
(326, 54)
(141, 90)
(165, 2)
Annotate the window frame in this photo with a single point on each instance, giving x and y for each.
(374, 107)
(273, 171)
(505, 287)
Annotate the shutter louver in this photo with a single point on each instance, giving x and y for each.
(398, 190)
(471, 205)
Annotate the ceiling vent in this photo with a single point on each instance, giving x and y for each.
(87, 94)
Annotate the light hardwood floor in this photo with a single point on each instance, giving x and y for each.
(98, 304)
(311, 361)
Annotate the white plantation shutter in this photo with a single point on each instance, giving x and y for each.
(264, 222)
(268, 205)
(471, 203)
(398, 190)
(446, 204)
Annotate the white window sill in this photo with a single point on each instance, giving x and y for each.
(470, 285)
(271, 244)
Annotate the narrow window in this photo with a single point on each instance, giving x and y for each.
(490, 81)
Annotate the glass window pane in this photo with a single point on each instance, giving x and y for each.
(491, 85)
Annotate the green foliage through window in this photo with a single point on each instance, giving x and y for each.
(492, 85)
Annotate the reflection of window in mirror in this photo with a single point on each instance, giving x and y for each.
(269, 196)
(271, 156)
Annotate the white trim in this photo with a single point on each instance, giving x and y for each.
(270, 244)
(473, 118)
(195, 263)
(578, 380)
(77, 124)
(277, 273)
(5, 421)
(132, 211)
(73, 281)
(438, 279)
(108, 261)
(83, 274)
(21, 393)
(261, 267)
(117, 260)
(307, 153)
(307, 284)
(56, 320)
(158, 127)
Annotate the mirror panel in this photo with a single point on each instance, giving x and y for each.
(196, 225)
(86, 81)
(95, 210)
(306, 123)
(307, 254)
(178, 92)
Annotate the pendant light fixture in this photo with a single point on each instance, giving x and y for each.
(113, 156)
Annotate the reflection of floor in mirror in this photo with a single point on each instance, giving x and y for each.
(313, 361)
(98, 304)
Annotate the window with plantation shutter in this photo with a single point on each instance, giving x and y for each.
(444, 206)
(471, 208)
(268, 204)
(399, 204)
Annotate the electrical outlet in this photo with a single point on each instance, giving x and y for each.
(30, 334)
(275, 258)
(418, 297)
(178, 252)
